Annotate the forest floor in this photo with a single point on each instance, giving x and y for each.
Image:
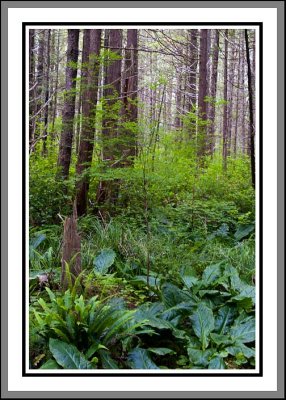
(170, 285)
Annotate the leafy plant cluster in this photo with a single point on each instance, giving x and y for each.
(205, 321)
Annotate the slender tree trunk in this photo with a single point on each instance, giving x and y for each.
(32, 90)
(202, 105)
(108, 190)
(56, 83)
(230, 98)
(89, 100)
(238, 84)
(243, 113)
(192, 83)
(225, 96)
(47, 91)
(213, 89)
(65, 147)
(129, 95)
(251, 119)
(39, 81)
(178, 100)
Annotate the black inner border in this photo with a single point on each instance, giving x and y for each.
(24, 205)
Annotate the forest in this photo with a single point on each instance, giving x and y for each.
(141, 182)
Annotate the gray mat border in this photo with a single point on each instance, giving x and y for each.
(280, 6)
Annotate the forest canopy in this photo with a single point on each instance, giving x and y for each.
(142, 198)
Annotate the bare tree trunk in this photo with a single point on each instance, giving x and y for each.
(47, 90)
(213, 89)
(178, 100)
(192, 83)
(251, 119)
(56, 83)
(225, 96)
(65, 147)
(230, 97)
(239, 67)
(32, 90)
(108, 190)
(202, 105)
(129, 95)
(38, 102)
(89, 100)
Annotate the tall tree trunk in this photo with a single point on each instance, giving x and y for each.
(39, 82)
(202, 105)
(129, 95)
(47, 90)
(65, 147)
(243, 113)
(251, 119)
(192, 82)
(213, 89)
(238, 85)
(89, 100)
(108, 190)
(230, 95)
(225, 96)
(32, 90)
(178, 100)
(56, 83)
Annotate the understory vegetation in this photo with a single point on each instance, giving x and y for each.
(175, 293)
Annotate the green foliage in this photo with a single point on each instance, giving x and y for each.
(177, 293)
(104, 261)
(85, 325)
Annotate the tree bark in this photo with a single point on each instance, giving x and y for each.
(192, 81)
(56, 83)
(202, 105)
(108, 190)
(129, 95)
(47, 90)
(251, 118)
(89, 100)
(213, 89)
(225, 94)
(65, 147)
(32, 92)
(71, 251)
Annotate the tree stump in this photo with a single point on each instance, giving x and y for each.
(71, 250)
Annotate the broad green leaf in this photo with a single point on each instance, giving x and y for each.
(50, 364)
(224, 318)
(240, 348)
(243, 231)
(68, 356)
(211, 274)
(221, 339)
(189, 276)
(161, 351)
(139, 359)
(104, 261)
(209, 292)
(247, 292)
(203, 324)
(244, 333)
(172, 295)
(106, 360)
(200, 357)
(216, 363)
